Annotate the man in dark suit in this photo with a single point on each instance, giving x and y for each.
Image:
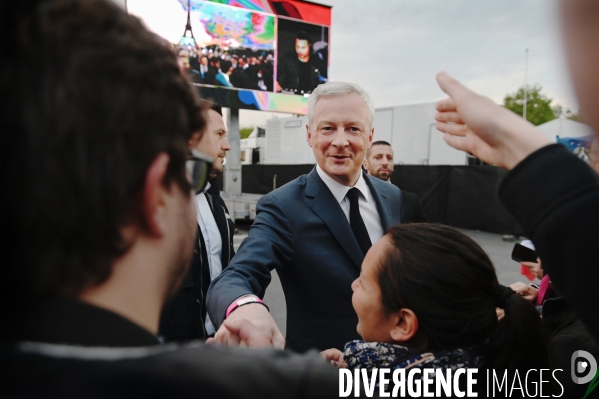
(379, 163)
(314, 230)
(205, 72)
(185, 317)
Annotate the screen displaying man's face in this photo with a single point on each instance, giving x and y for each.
(302, 48)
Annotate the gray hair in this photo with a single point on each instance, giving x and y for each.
(331, 89)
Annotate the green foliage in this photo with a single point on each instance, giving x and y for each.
(538, 106)
(244, 132)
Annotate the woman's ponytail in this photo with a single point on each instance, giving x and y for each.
(518, 342)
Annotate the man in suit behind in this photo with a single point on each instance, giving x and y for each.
(185, 317)
(379, 163)
(314, 230)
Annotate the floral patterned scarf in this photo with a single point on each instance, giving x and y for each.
(369, 355)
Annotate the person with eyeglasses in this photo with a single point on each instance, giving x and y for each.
(185, 317)
(102, 217)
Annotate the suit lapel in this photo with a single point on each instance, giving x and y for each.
(324, 204)
(383, 205)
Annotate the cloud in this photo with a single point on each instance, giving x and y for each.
(394, 48)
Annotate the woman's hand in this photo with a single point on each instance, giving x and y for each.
(528, 292)
(335, 356)
(535, 268)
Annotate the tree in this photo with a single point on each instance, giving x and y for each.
(244, 132)
(538, 106)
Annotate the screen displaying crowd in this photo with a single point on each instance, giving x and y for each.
(240, 69)
(244, 46)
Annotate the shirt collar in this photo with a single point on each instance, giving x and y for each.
(208, 185)
(339, 190)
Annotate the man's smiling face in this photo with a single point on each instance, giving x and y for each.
(340, 134)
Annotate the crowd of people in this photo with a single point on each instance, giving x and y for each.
(299, 72)
(214, 66)
(120, 259)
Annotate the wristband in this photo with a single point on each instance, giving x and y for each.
(244, 301)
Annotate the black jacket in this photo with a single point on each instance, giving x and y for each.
(70, 349)
(289, 73)
(184, 316)
(566, 334)
(555, 198)
(412, 211)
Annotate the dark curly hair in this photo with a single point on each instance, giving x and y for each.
(90, 99)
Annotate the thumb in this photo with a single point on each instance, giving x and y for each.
(450, 85)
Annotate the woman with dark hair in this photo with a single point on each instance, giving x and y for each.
(428, 297)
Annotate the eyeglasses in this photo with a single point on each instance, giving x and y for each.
(198, 166)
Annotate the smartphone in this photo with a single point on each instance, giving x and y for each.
(523, 254)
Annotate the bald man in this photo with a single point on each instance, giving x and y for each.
(379, 163)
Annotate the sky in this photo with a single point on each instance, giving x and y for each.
(394, 48)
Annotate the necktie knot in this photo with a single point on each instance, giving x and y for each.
(353, 194)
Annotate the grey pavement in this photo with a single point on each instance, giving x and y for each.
(498, 250)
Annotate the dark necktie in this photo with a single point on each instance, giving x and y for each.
(356, 221)
(221, 222)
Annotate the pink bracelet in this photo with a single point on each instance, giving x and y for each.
(244, 301)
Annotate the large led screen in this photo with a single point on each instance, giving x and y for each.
(252, 54)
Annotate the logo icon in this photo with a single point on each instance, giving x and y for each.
(583, 363)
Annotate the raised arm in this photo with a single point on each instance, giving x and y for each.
(267, 246)
(550, 192)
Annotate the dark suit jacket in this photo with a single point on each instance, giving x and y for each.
(183, 317)
(412, 209)
(301, 230)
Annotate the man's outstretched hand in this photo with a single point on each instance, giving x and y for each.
(477, 125)
(249, 325)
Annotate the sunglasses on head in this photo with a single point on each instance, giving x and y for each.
(198, 166)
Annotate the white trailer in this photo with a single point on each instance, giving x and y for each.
(410, 129)
(286, 142)
(251, 149)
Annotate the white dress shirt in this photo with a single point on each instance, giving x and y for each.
(203, 69)
(212, 241)
(368, 210)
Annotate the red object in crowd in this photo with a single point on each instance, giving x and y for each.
(525, 271)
